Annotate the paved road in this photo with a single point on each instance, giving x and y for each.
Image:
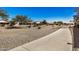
(57, 41)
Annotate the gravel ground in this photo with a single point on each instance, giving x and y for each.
(11, 38)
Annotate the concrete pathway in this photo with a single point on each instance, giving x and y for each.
(56, 41)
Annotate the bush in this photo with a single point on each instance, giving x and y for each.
(39, 27)
(29, 26)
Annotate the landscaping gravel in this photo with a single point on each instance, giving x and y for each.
(11, 38)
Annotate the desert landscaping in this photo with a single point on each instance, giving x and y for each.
(11, 38)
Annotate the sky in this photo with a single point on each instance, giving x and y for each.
(50, 14)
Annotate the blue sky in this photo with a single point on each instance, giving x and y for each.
(40, 13)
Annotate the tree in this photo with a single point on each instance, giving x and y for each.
(76, 17)
(21, 19)
(12, 22)
(58, 23)
(55, 22)
(3, 14)
(44, 22)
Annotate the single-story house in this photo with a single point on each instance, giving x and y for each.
(3, 23)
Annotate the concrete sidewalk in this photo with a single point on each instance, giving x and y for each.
(56, 41)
